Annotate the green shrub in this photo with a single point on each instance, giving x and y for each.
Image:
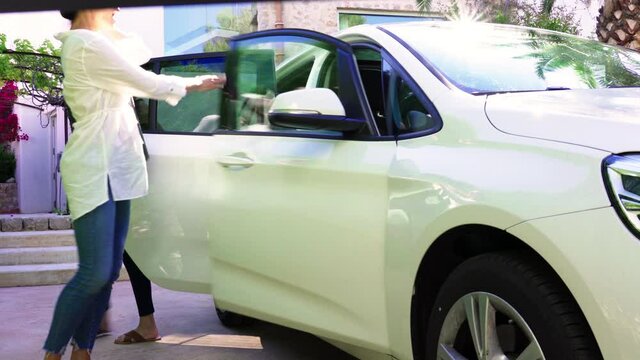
(7, 164)
(559, 19)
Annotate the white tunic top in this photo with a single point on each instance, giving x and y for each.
(101, 76)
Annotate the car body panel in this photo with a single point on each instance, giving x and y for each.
(601, 276)
(607, 119)
(169, 235)
(312, 204)
(429, 194)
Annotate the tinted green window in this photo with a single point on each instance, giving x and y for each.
(265, 68)
(197, 111)
(142, 112)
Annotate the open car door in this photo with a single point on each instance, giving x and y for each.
(298, 236)
(169, 235)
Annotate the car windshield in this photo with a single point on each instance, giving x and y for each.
(483, 58)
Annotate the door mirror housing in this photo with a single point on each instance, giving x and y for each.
(312, 109)
(419, 121)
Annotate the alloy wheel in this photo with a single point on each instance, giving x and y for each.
(482, 326)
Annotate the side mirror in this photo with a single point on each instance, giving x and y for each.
(419, 120)
(311, 109)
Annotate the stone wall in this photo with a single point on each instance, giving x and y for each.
(321, 15)
(34, 222)
(8, 198)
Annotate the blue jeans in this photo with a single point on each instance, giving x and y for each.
(100, 236)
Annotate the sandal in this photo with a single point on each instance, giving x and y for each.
(133, 337)
(103, 332)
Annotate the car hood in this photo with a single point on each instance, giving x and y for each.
(606, 119)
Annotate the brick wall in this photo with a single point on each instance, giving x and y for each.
(321, 15)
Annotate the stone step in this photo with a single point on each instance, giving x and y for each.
(34, 222)
(38, 255)
(20, 239)
(41, 274)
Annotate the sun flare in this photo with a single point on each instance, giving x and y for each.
(466, 12)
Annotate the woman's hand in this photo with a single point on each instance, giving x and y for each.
(208, 83)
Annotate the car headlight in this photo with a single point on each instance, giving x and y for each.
(622, 177)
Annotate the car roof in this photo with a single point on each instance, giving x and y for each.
(438, 25)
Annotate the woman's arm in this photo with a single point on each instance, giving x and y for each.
(107, 69)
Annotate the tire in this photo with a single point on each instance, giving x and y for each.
(526, 308)
(232, 320)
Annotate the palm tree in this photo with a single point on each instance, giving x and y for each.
(619, 23)
(597, 66)
(547, 6)
(500, 11)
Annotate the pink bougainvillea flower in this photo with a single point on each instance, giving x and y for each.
(10, 130)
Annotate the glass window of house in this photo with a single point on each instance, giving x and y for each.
(350, 18)
(194, 29)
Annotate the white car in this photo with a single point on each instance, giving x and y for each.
(428, 190)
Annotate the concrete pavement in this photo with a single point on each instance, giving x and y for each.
(187, 323)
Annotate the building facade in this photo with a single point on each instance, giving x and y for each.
(325, 15)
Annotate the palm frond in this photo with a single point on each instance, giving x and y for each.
(586, 75)
(424, 5)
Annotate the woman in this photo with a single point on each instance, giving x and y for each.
(103, 166)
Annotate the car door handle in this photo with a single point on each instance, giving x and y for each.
(236, 161)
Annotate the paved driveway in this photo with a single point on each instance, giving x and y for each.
(187, 322)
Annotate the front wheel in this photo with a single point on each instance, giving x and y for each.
(507, 306)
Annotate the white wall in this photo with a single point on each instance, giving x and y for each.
(34, 173)
(148, 22)
(33, 26)
(586, 13)
(39, 186)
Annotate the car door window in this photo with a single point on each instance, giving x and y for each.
(370, 68)
(403, 107)
(142, 113)
(397, 107)
(142, 106)
(197, 112)
(264, 67)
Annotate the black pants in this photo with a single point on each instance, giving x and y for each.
(141, 287)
